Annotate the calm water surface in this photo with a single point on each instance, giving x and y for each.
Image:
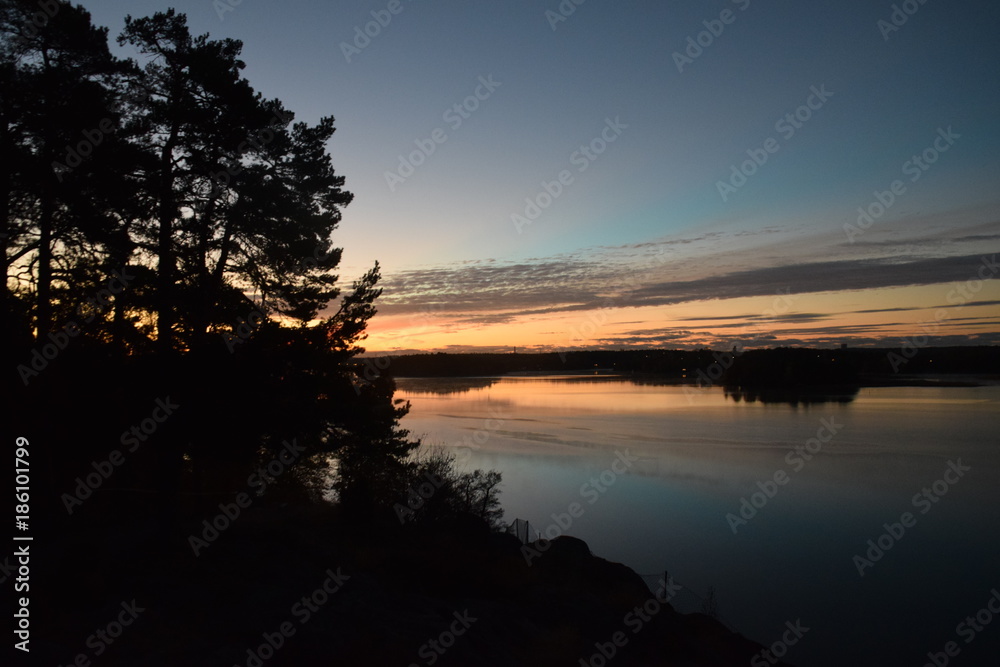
(699, 454)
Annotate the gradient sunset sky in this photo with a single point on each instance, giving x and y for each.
(641, 244)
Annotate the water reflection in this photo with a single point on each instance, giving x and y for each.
(596, 384)
(701, 451)
(793, 396)
(444, 386)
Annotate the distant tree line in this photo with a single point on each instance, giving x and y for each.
(782, 365)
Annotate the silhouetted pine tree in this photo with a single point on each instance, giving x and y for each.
(219, 210)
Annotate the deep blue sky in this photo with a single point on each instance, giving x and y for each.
(657, 183)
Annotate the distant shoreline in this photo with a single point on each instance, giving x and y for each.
(915, 380)
(802, 368)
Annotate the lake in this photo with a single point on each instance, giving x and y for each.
(772, 505)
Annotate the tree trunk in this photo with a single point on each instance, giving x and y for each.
(207, 289)
(6, 304)
(43, 311)
(165, 315)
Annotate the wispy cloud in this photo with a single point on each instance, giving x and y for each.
(497, 292)
(680, 289)
(841, 275)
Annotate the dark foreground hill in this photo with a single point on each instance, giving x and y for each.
(286, 586)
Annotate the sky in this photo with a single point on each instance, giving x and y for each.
(545, 175)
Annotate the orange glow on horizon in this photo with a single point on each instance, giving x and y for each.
(825, 317)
